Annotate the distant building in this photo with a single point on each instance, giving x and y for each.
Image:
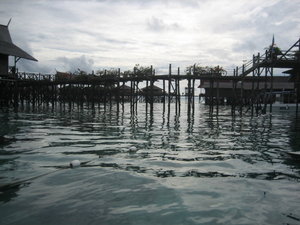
(152, 90)
(249, 87)
(63, 76)
(7, 48)
(124, 90)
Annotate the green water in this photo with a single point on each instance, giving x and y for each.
(148, 167)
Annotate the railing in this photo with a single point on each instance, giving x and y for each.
(253, 64)
(292, 54)
(35, 76)
(250, 65)
(66, 77)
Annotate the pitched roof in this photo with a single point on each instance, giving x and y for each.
(125, 87)
(8, 48)
(155, 88)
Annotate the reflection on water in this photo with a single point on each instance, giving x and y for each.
(158, 164)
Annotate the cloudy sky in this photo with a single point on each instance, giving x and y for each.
(94, 34)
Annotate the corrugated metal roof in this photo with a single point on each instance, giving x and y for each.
(279, 82)
(8, 48)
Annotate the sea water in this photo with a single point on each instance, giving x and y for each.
(147, 165)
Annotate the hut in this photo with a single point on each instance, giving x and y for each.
(63, 76)
(152, 90)
(8, 48)
(152, 93)
(124, 90)
(229, 90)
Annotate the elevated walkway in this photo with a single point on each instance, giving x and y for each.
(272, 58)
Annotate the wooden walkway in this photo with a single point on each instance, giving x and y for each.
(46, 88)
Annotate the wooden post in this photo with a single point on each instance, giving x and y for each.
(189, 90)
(218, 96)
(136, 94)
(211, 106)
(132, 90)
(118, 89)
(149, 98)
(193, 88)
(252, 87)
(146, 93)
(177, 83)
(271, 88)
(193, 94)
(151, 91)
(164, 89)
(235, 88)
(297, 91)
(169, 91)
(169, 84)
(297, 82)
(123, 94)
(178, 88)
(265, 90)
(258, 104)
(16, 94)
(242, 90)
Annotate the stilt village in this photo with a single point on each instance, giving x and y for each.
(253, 87)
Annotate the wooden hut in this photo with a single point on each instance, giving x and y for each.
(152, 93)
(8, 48)
(124, 90)
(64, 76)
(152, 90)
(231, 90)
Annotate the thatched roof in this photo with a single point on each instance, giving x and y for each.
(152, 89)
(8, 48)
(125, 88)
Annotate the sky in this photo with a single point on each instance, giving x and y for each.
(67, 35)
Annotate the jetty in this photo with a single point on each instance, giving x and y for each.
(250, 86)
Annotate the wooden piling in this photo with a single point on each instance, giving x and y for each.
(169, 83)
(242, 90)
(252, 87)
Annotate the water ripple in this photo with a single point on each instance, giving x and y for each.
(140, 166)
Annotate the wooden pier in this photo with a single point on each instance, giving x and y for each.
(117, 86)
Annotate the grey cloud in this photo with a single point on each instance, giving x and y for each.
(158, 25)
(249, 45)
(147, 3)
(124, 32)
(101, 37)
(73, 64)
(35, 67)
(155, 24)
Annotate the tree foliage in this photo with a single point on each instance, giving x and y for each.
(107, 72)
(142, 70)
(139, 71)
(197, 69)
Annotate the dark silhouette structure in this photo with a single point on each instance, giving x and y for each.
(8, 48)
(253, 84)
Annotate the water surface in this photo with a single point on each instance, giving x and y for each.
(159, 166)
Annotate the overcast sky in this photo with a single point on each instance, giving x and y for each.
(90, 35)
